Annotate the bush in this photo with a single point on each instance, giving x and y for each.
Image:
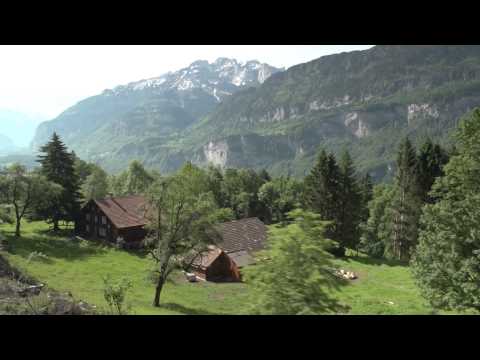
(115, 294)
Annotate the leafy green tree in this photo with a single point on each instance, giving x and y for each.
(376, 231)
(133, 181)
(23, 191)
(239, 191)
(405, 205)
(181, 224)
(280, 196)
(446, 262)
(95, 185)
(294, 275)
(138, 179)
(58, 166)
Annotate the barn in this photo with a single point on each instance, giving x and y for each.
(240, 240)
(114, 219)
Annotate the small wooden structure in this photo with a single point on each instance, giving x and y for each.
(216, 266)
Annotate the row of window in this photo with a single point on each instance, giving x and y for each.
(104, 219)
(101, 231)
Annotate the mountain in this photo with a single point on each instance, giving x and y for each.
(364, 101)
(6, 145)
(18, 126)
(149, 111)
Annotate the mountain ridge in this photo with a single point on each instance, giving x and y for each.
(363, 101)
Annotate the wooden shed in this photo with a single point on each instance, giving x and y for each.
(216, 266)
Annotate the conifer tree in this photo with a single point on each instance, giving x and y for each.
(406, 204)
(431, 160)
(322, 193)
(366, 191)
(349, 205)
(57, 165)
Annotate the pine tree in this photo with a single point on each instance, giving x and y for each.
(322, 193)
(431, 160)
(406, 204)
(366, 190)
(57, 165)
(349, 205)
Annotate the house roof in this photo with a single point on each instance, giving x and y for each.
(125, 211)
(242, 258)
(205, 260)
(243, 235)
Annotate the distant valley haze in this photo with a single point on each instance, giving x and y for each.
(40, 82)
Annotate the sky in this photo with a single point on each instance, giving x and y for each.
(42, 81)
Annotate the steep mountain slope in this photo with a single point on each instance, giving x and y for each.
(149, 110)
(365, 101)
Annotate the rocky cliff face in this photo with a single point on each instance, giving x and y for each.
(364, 101)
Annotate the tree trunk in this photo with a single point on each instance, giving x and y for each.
(17, 228)
(158, 290)
(56, 228)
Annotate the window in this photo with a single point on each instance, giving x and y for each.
(104, 220)
(102, 232)
(87, 228)
(88, 217)
(96, 219)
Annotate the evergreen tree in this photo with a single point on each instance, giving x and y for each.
(349, 205)
(446, 262)
(57, 165)
(431, 160)
(322, 195)
(366, 191)
(376, 230)
(406, 204)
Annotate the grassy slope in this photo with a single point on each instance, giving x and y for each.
(79, 268)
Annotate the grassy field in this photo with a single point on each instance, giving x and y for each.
(382, 288)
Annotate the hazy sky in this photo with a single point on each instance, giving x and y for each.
(45, 80)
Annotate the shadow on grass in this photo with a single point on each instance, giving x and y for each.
(375, 261)
(50, 244)
(185, 310)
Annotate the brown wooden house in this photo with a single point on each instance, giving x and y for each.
(114, 219)
(240, 240)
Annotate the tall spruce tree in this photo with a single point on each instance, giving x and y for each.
(366, 191)
(431, 159)
(350, 204)
(406, 204)
(58, 166)
(322, 193)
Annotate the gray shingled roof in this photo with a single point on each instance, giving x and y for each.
(245, 234)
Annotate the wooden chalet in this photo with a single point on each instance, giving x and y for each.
(114, 219)
(122, 219)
